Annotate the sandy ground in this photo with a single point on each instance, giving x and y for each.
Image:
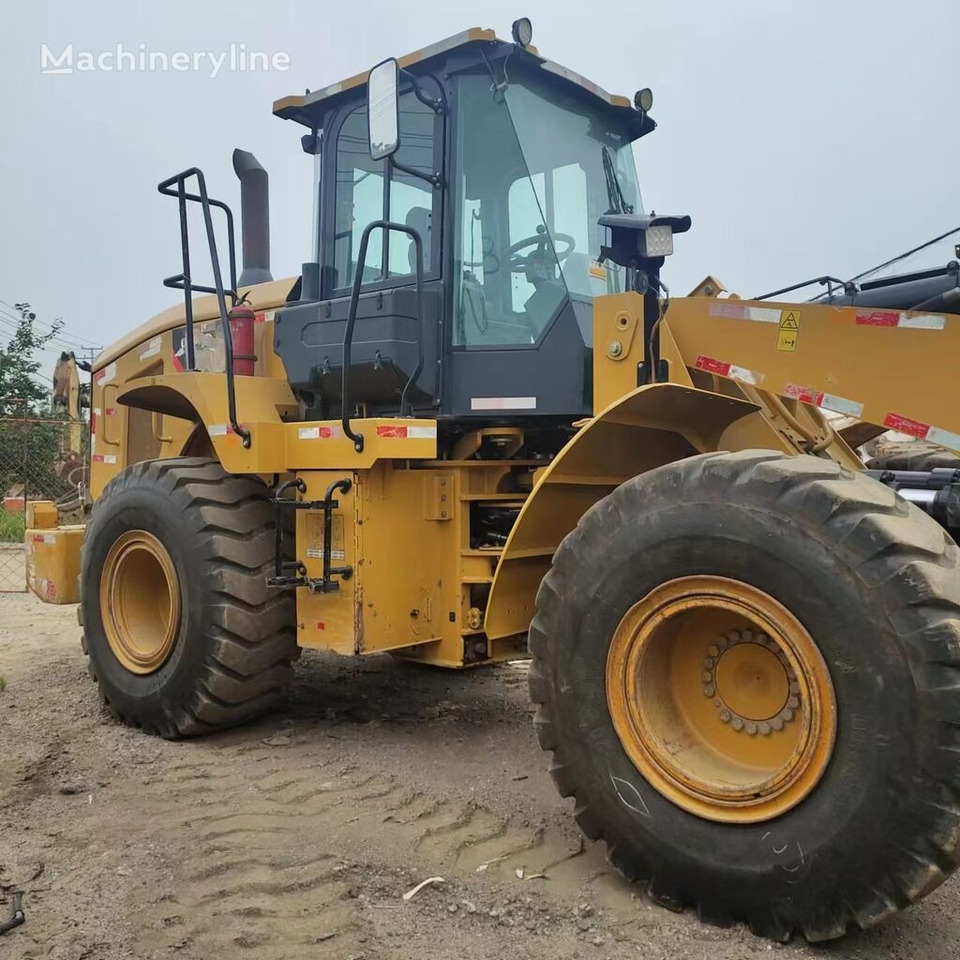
(297, 837)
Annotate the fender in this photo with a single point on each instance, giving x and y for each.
(651, 426)
(199, 397)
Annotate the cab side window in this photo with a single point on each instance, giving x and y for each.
(363, 194)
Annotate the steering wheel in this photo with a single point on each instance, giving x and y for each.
(490, 262)
(539, 257)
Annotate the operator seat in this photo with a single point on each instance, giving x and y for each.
(419, 219)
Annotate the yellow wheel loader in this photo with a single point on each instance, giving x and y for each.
(477, 428)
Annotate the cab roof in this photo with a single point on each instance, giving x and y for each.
(305, 108)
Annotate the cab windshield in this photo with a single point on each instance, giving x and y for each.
(535, 170)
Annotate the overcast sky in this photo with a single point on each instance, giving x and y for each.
(802, 136)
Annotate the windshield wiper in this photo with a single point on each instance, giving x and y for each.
(618, 203)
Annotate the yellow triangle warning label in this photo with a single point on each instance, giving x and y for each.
(790, 320)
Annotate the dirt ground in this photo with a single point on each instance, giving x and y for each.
(297, 837)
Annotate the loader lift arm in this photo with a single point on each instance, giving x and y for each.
(893, 368)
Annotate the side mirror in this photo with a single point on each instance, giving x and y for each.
(383, 109)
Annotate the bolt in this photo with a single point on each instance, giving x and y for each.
(706, 676)
(615, 348)
(713, 650)
(793, 703)
(737, 723)
(709, 690)
(725, 716)
(765, 729)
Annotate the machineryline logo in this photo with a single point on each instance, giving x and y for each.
(120, 59)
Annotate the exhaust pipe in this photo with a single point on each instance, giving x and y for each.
(255, 218)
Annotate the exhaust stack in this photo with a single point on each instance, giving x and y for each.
(255, 218)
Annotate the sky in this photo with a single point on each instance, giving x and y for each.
(804, 137)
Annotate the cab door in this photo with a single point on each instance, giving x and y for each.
(388, 333)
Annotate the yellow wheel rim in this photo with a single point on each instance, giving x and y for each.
(721, 699)
(140, 601)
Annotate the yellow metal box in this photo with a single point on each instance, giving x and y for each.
(41, 515)
(53, 562)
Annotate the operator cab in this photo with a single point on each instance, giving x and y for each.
(502, 167)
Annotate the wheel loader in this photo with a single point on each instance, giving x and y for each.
(476, 427)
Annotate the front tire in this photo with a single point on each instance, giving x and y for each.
(790, 544)
(184, 636)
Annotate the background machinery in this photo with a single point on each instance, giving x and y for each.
(476, 427)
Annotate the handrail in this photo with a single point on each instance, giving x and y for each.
(414, 235)
(184, 282)
(824, 281)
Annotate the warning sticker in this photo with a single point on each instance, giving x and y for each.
(315, 537)
(789, 331)
(597, 270)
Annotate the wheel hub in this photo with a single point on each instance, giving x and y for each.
(140, 601)
(721, 699)
(751, 683)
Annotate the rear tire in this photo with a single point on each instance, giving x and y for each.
(913, 455)
(183, 634)
(875, 583)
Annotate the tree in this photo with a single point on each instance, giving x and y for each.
(30, 440)
(20, 392)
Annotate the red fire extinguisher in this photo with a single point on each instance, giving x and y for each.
(242, 320)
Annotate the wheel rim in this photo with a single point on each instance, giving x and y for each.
(140, 601)
(721, 699)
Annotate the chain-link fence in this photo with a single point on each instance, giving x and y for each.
(40, 459)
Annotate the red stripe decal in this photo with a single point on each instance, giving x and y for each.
(905, 425)
(712, 366)
(877, 318)
(98, 458)
(802, 394)
(396, 433)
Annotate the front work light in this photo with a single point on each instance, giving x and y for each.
(657, 241)
(635, 238)
(643, 100)
(522, 31)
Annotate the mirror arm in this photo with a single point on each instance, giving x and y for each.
(436, 104)
(434, 179)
